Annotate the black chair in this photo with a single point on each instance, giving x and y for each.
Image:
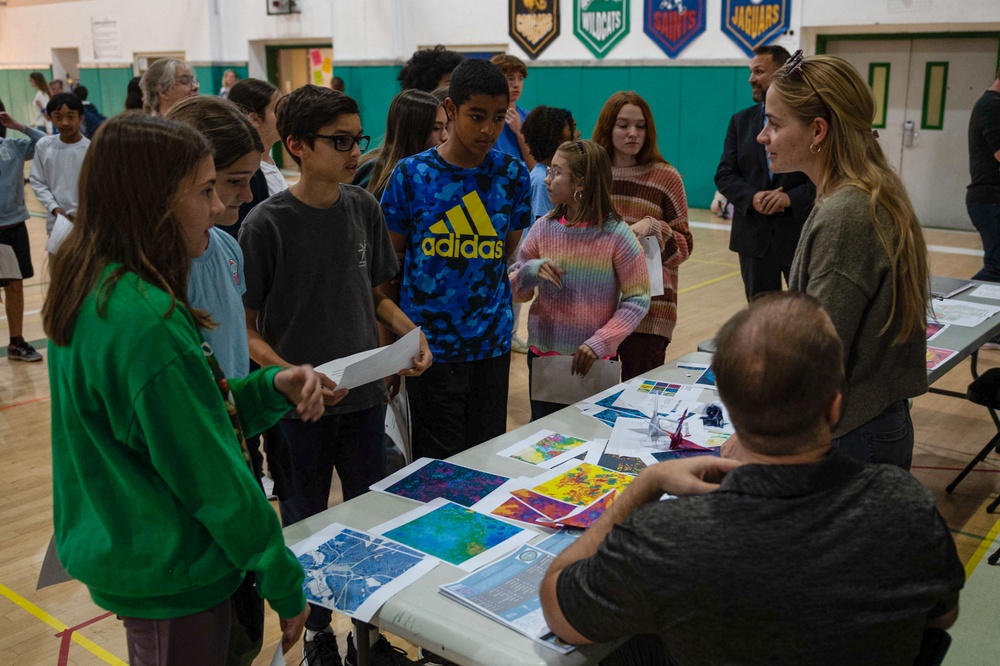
(985, 391)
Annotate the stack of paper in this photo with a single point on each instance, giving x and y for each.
(507, 591)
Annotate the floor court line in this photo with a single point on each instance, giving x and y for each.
(26, 402)
(59, 626)
(984, 546)
(708, 282)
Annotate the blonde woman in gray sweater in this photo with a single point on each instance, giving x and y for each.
(861, 253)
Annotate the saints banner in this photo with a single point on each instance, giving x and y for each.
(600, 24)
(534, 24)
(751, 23)
(673, 24)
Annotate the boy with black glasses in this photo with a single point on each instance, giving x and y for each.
(315, 257)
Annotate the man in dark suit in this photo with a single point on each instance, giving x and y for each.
(768, 209)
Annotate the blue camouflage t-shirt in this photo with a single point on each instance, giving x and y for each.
(456, 221)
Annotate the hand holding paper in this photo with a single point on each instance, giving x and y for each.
(291, 630)
(301, 387)
(583, 361)
(421, 361)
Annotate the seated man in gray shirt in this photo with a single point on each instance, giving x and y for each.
(787, 552)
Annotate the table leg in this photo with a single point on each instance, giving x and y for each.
(361, 642)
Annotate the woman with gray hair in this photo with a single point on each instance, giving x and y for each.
(166, 82)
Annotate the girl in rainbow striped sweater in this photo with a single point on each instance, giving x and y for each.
(593, 287)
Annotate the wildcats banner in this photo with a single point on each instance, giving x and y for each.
(600, 24)
(751, 23)
(534, 24)
(673, 24)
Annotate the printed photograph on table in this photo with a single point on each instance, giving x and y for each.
(455, 534)
(707, 378)
(663, 456)
(427, 478)
(935, 329)
(552, 509)
(515, 509)
(586, 516)
(559, 541)
(545, 448)
(624, 464)
(582, 484)
(355, 573)
(936, 357)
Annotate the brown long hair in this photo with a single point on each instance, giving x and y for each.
(39, 80)
(409, 122)
(126, 216)
(829, 87)
(606, 123)
(588, 163)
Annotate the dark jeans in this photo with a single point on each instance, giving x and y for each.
(887, 438)
(641, 352)
(457, 405)
(350, 442)
(539, 408)
(986, 219)
(199, 639)
(762, 274)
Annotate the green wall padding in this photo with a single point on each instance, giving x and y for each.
(107, 88)
(210, 77)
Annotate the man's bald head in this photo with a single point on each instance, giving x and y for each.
(778, 366)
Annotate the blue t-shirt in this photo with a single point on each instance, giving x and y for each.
(455, 271)
(507, 141)
(540, 202)
(217, 285)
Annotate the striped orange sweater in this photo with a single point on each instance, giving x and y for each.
(656, 190)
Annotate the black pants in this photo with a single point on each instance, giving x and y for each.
(763, 274)
(457, 405)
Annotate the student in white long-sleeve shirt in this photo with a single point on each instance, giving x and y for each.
(55, 170)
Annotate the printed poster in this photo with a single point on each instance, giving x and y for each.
(673, 24)
(534, 24)
(752, 23)
(600, 24)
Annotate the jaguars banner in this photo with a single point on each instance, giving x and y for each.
(534, 24)
(673, 24)
(751, 23)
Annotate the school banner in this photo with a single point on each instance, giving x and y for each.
(534, 24)
(673, 24)
(751, 23)
(600, 24)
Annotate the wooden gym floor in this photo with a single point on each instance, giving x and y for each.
(33, 624)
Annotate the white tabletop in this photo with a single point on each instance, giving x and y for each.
(422, 616)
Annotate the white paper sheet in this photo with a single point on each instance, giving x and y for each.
(642, 393)
(654, 264)
(9, 268)
(989, 291)
(596, 453)
(279, 657)
(519, 538)
(60, 230)
(962, 313)
(384, 568)
(552, 381)
(369, 366)
(535, 450)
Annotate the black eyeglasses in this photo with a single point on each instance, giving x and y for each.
(344, 142)
(793, 65)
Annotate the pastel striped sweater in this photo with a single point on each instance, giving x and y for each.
(605, 286)
(656, 190)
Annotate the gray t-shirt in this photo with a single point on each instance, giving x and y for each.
(825, 563)
(310, 274)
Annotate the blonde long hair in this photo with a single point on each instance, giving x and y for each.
(828, 87)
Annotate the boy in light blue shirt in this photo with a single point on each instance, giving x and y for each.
(13, 231)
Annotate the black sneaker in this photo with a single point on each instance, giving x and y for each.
(22, 351)
(321, 650)
(383, 653)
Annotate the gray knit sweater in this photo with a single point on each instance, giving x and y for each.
(841, 261)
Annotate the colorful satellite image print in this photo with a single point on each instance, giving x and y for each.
(548, 507)
(583, 484)
(626, 464)
(453, 533)
(548, 448)
(517, 510)
(437, 478)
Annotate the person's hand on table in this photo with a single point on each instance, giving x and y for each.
(583, 361)
(551, 273)
(691, 476)
(291, 630)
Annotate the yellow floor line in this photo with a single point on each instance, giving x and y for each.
(984, 546)
(708, 282)
(82, 641)
(713, 263)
